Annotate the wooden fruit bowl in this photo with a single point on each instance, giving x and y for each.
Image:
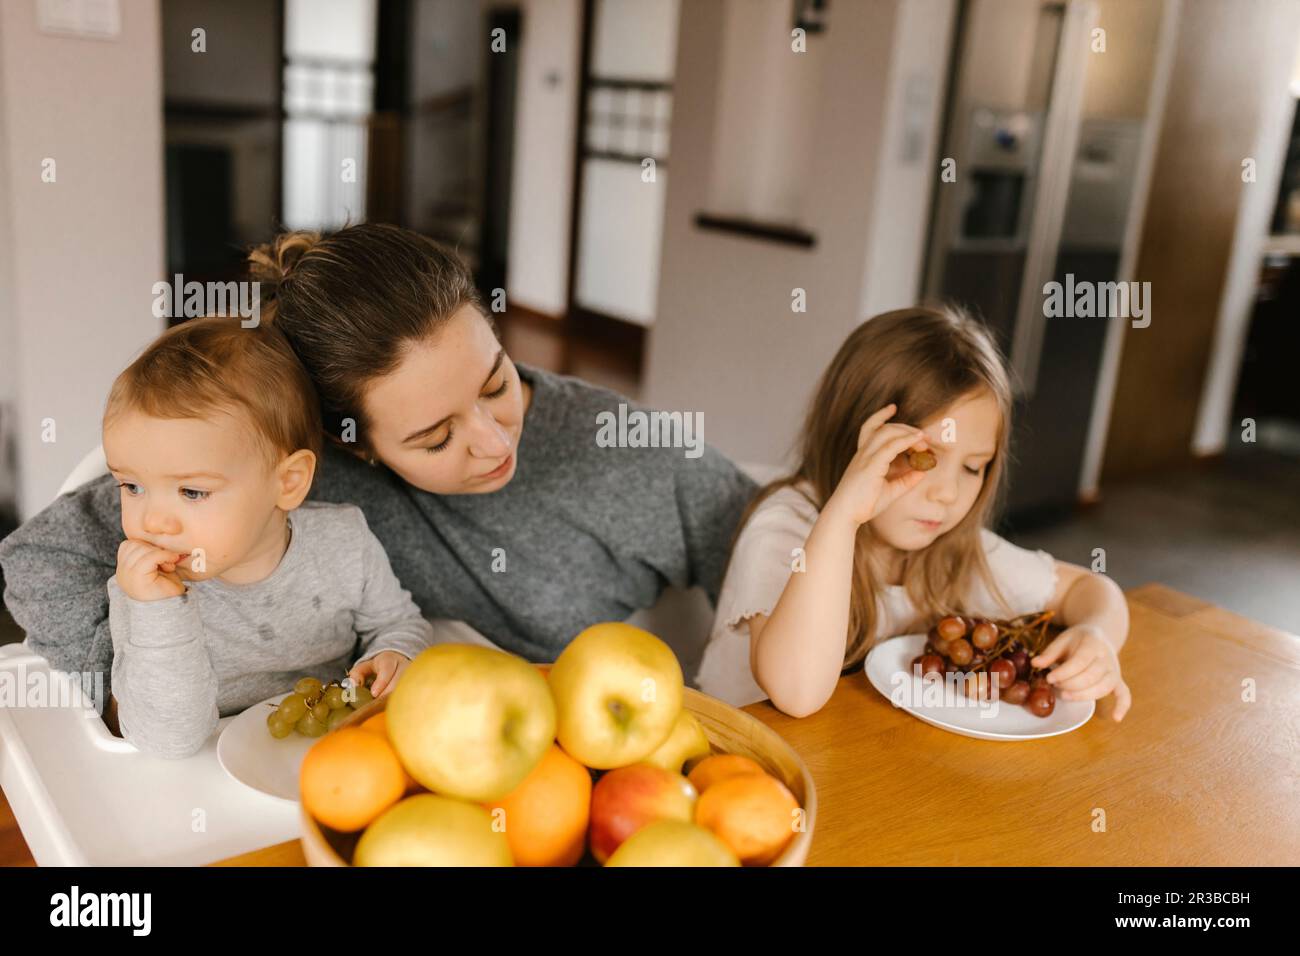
(730, 731)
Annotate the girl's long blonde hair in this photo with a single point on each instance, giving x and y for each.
(923, 360)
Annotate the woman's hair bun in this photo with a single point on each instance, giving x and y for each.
(271, 263)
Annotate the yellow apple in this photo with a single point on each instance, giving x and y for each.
(673, 843)
(618, 691)
(430, 830)
(686, 740)
(470, 721)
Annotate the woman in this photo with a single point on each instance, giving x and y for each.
(483, 479)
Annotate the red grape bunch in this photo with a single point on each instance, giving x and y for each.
(994, 654)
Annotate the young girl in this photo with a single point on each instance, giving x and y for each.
(856, 546)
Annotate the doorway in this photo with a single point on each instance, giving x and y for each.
(621, 170)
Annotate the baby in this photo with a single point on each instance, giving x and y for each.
(229, 587)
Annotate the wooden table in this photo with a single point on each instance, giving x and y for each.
(1194, 775)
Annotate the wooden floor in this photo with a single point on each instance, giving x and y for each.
(606, 353)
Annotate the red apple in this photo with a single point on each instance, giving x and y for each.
(627, 798)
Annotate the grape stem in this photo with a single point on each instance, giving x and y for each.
(1033, 631)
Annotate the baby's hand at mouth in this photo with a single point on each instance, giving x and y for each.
(148, 573)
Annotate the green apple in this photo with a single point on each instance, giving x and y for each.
(673, 843)
(618, 691)
(429, 830)
(686, 740)
(470, 721)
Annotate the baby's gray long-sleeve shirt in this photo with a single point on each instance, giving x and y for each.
(181, 663)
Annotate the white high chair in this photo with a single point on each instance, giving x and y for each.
(88, 469)
(83, 797)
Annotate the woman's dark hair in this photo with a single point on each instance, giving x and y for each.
(352, 302)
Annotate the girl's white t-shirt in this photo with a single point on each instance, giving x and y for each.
(762, 562)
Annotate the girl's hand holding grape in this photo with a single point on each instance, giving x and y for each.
(865, 489)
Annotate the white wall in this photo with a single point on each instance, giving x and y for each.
(541, 197)
(725, 341)
(909, 155)
(82, 253)
(8, 326)
(764, 146)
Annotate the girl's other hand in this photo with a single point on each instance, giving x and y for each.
(1090, 668)
(387, 666)
(147, 573)
(865, 490)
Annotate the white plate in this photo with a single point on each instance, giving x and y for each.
(888, 668)
(249, 753)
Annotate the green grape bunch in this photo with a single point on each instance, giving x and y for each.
(314, 709)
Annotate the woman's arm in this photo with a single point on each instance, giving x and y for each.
(55, 567)
(711, 495)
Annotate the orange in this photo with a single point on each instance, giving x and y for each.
(544, 668)
(349, 777)
(719, 767)
(754, 815)
(378, 724)
(545, 817)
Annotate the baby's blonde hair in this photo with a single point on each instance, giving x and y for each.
(923, 360)
(208, 366)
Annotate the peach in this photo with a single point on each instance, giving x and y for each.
(754, 815)
(710, 770)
